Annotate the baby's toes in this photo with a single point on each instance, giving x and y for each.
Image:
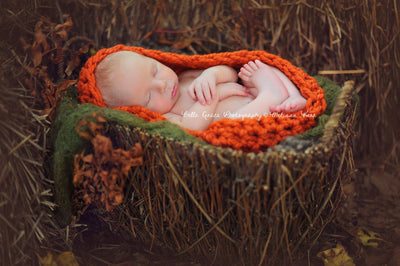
(243, 76)
(252, 65)
(292, 106)
(280, 108)
(244, 73)
(260, 64)
(285, 107)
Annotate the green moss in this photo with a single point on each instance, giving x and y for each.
(332, 91)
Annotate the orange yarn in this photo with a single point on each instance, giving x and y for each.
(247, 134)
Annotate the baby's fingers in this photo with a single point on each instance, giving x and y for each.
(199, 93)
(207, 93)
(191, 92)
(213, 90)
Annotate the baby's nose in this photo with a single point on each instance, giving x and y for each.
(162, 86)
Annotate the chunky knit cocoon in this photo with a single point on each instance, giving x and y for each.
(246, 134)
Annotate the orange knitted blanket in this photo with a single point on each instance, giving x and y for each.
(246, 134)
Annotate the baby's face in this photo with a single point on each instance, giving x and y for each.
(143, 81)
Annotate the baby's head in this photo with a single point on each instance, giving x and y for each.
(126, 79)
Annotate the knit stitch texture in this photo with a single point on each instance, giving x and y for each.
(246, 134)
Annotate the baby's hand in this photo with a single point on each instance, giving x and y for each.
(229, 89)
(203, 88)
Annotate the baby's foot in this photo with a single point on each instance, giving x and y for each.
(254, 72)
(291, 104)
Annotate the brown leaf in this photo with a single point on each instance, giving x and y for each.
(47, 260)
(37, 54)
(40, 37)
(82, 133)
(25, 45)
(182, 44)
(100, 177)
(101, 119)
(336, 256)
(64, 85)
(102, 145)
(63, 259)
(84, 49)
(66, 259)
(88, 158)
(62, 34)
(72, 64)
(163, 40)
(66, 26)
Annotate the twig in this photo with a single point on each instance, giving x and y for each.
(341, 72)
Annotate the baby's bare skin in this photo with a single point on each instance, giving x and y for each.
(195, 98)
(259, 76)
(267, 93)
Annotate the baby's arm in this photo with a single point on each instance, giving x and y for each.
(194, 117)
(203, 87)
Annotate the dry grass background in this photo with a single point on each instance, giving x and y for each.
(357, 40)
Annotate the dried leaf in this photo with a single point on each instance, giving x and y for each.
(66, 26)
(62, 34)
(66, 259)
(182, 44)
(37, 54)
(25, 45)
(72, 64)
(99, 178)
(64, 85)
(48, 260)
(40, 37)
(368, 238)
(336, 256)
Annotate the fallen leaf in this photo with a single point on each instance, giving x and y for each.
(336, 256)
(47, 260)
(36, 52)
(64, 85)
(62, 34)
(64, 259)
(72, 65)
(182, 44)
(67, 25)
(100, 177)
(368, 238)
(25, 45)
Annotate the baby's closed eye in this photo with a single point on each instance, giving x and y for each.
(148, 98)
(154, 70)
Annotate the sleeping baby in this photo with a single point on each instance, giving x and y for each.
(195, 98)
